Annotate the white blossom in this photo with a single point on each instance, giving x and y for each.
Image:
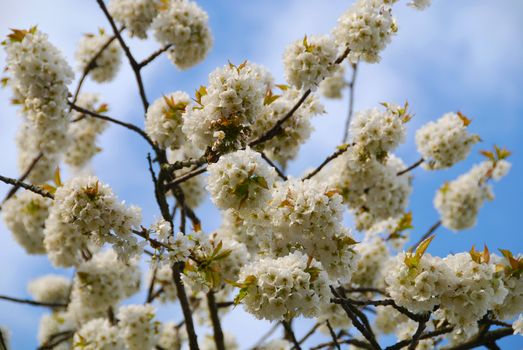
(365, 28)
(518, 325)
(419, 4)
(184, 25)
(107, 64)
(294, 132)
(285, 287)
(459, 201)
(240, 180)
(228, 107)
(85, 211)
(100, 283)
(476, 290)
(171, 337)
(24, 215)
(51, 324)
(135, 15)
(137, 326)
(98, 334)
(164, 119)
(309, 61)
(50, 289)
(373, 255)
(445, 142)
(332, 87)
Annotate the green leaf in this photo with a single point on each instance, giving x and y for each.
(260, 181)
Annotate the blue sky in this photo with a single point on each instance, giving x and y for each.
(457, 55)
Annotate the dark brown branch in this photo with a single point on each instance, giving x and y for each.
(333, 335)
(487, 338)
(271, 163)
(184, 302)
(3, 341)
(351, 102)
(31, 302)
(26, 173)
(150, 290)
(224, 304)
(215, 318)
(426, 235)
(384, 302)
(56, 339)
(185, 177)
(330, 158)
(154, 55)
(419, 331)
(349, 310)
(413, 166)
(129, 126)
(290, 334)
(428, 335)
(24, 185)
(134, 65)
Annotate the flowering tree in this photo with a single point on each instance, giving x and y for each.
(282, 251)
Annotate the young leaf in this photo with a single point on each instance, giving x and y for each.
(466, 121)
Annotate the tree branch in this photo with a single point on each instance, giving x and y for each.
(336, 154)
(31, 302)
(153, 56)
(13, 190)
(215, 318)
(184, 302)
(427, 234)
(290, 333)
(271, 163)
(129, 126)
(413, 166)
(134, 65)
(26, 186)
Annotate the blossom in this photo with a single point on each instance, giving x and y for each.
(309, 61)
(137, 326)
(24, 215)
(171, 336)
(417, 287)
(135, 15)
(83, 131)
(241, 180)
(164, 120)
(419, 4)
(50, 289)
(100, 283)
(445, 142)
(185, 25)
(332, 87)
(98, 334)
(84, 212)
(518, 325)
(294, 132)
(373, 256)
(365, 28)
(376, 133)
(477, 289)
(228, 339)
(107, 64)
(51, 324)
(282, 288)
(227, 108)
(459, 201)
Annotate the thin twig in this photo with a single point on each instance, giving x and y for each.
(154, 55)
(330, 158)
(487, 338)
(430, 231)
(333, 335)
(288, 331)
(129, 126)
(271, 163)
(185, 177)
(26, 173)
(31, 302)
(428, 335)
(351, 102)
(413, 166)
(355, 342)
(56, 339)
(266, 336)
(134, 65)
(24, 185)
(310, 332)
